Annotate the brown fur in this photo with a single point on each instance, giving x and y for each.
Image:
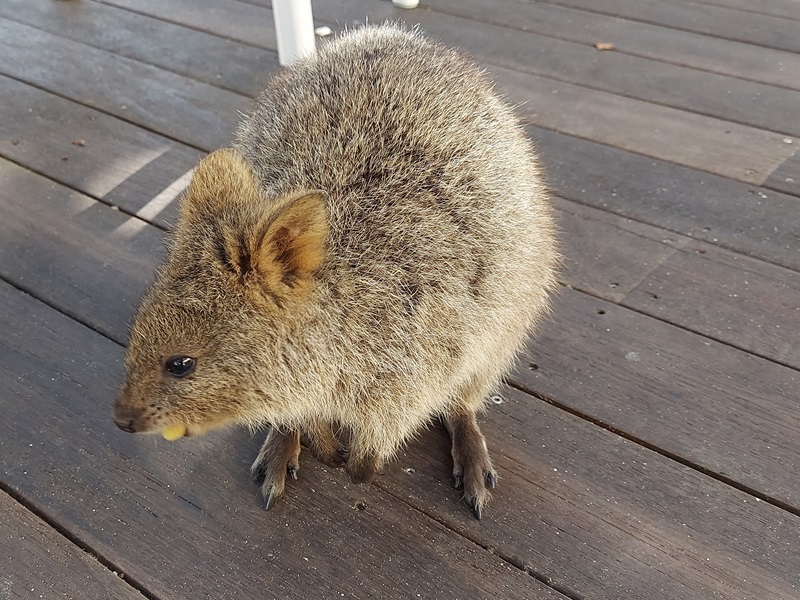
(372, 254)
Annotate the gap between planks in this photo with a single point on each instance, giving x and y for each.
(115, 570)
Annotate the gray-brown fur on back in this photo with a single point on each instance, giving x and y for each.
(441, 249)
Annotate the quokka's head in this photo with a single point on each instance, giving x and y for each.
(217, 323)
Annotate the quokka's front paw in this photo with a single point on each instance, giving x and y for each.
(475, 480)
(472, 468)
(279, 457)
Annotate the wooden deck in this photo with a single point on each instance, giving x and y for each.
(648, 444)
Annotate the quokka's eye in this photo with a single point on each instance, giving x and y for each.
(180, 366)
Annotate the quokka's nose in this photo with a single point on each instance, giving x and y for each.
(126, 425)
(127, 418)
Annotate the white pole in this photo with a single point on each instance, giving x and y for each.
(294, 29)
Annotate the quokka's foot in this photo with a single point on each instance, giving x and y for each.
(279, 457)
(476, 487)
(325, 446)
(472, 468)
(363, 469)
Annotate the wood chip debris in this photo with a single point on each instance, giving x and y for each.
(604, 46)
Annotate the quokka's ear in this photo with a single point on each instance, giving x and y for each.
(221, 180)
(291, 243)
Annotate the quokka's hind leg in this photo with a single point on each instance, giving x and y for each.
(279, 457)
(472, 467)
(323, 444)
(363, 466)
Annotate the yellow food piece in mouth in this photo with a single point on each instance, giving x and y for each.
(173, 432)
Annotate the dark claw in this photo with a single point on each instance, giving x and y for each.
(476, 508)
(291, 471)
(491, 479)
(458, 480)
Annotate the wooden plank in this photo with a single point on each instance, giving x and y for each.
(226, 18)
(761, 223)
(701, 92)
(725, 410)
(640, 39)
(732, 298)
(89, 260)
(786, 178)
(182, 520)
(601, 517)
(747, 303)
(122, 164)
(787, 9)
(734, 151)
(719, 147)
(208, 58)
(37, 562)
(606, 255)
(193, 112)
(707, 19)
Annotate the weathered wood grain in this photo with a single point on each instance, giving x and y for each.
(92, 152)
(182, 520)
(640, 39)
(735, 151)
(746, 303)
(607, 255)
(191, 111)
(37, 562)
(89, 260)
(735, 299)
(600, 517)
(744, 218)
(226, 18)
(786, 178)
(717, 407)
(787, 9)
(208, 58)
(707, 19)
